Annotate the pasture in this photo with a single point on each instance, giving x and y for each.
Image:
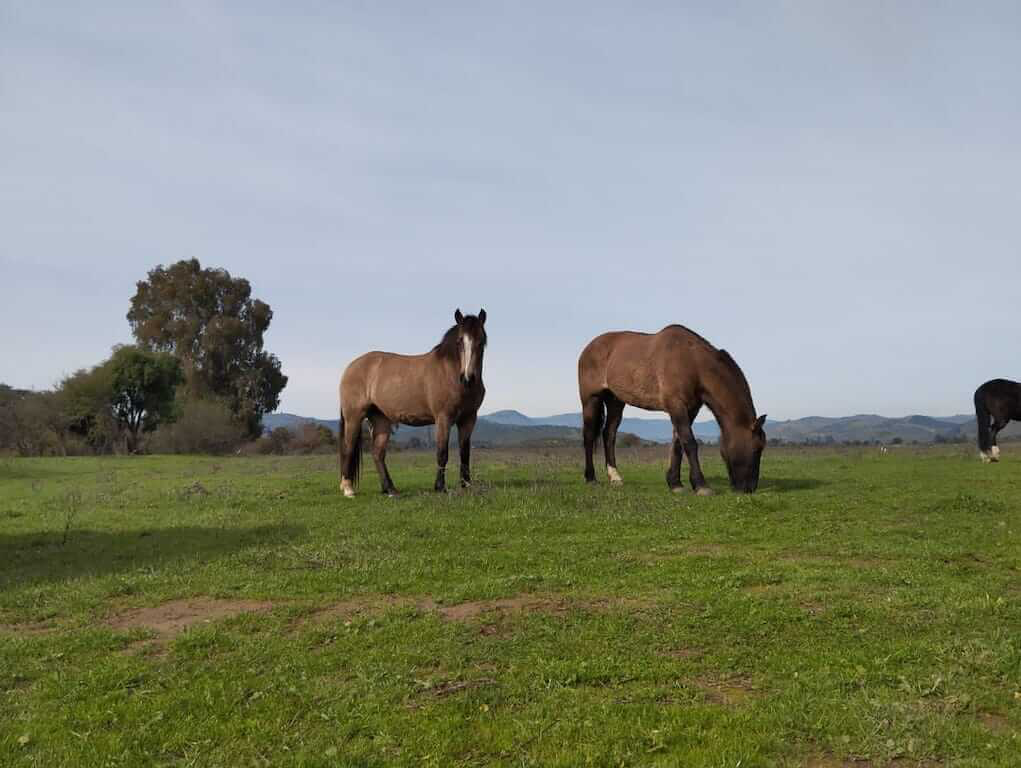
(858, 610)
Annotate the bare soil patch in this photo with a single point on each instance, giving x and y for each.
(493, 609)
(994, 722)
(507, 605)
(168, 620)
(729, 693)
(367, 605)
(857, 562)
(27, 629)
(830, 761)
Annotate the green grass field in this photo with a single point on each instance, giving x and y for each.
(859, 610)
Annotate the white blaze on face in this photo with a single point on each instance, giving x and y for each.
(467, 342)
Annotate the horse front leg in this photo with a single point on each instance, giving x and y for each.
(673, 473)
(465, 427)
(686, 438)
(442, 452)
(994, 451)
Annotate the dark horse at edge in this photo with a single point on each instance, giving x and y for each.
(676, 371)
(996, 403)
(442, 387)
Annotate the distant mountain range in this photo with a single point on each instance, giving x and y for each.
(511, 427)
(486, 431)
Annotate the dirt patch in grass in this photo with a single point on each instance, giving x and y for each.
(367, 605)
(830, 761)
(731, 692)
(506, 605)
(168, 620)
(28, 629)
(549, 605)
(860, 562)
(994, 722)
(812, 607)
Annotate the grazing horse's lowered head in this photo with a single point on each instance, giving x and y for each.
(741, 449)
(465, 343)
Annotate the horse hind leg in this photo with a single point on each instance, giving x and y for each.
(380, 437)
(592, 423)
(350, 451)
(614, 414)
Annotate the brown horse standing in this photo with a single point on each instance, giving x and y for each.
(442, 387)
(676, 371)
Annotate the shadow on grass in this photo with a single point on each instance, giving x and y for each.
(34, 558)
(790, 484)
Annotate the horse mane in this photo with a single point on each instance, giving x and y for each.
(735, 369)
(697, 335)
(448, 344)
(447, 348)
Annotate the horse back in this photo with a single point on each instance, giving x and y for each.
(407, 389)
(1002, 397)
(651, 371)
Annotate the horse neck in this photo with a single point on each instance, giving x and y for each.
(727, 397)
(448, 365)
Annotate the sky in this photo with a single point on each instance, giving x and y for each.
(830, 191)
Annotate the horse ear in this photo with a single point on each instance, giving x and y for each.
(757, 427)
(458, 316)
(482, 316)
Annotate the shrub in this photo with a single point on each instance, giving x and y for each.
(202, 426)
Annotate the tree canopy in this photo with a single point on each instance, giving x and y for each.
(210, 322)
(143, 384)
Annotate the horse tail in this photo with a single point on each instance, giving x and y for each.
(356, 456)
(599, 418)
(982, 416)
(340, 445)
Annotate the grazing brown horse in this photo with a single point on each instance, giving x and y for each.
(442, 387)
(676, 371)
(997, 402)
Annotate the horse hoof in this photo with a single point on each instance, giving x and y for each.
(678, 489)
(348, 493)
(986, 458)
(704, 491)
(614, 475)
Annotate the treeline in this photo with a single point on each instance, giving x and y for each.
(197, 378)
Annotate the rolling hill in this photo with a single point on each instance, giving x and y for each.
(510, 427)
(486, 431)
